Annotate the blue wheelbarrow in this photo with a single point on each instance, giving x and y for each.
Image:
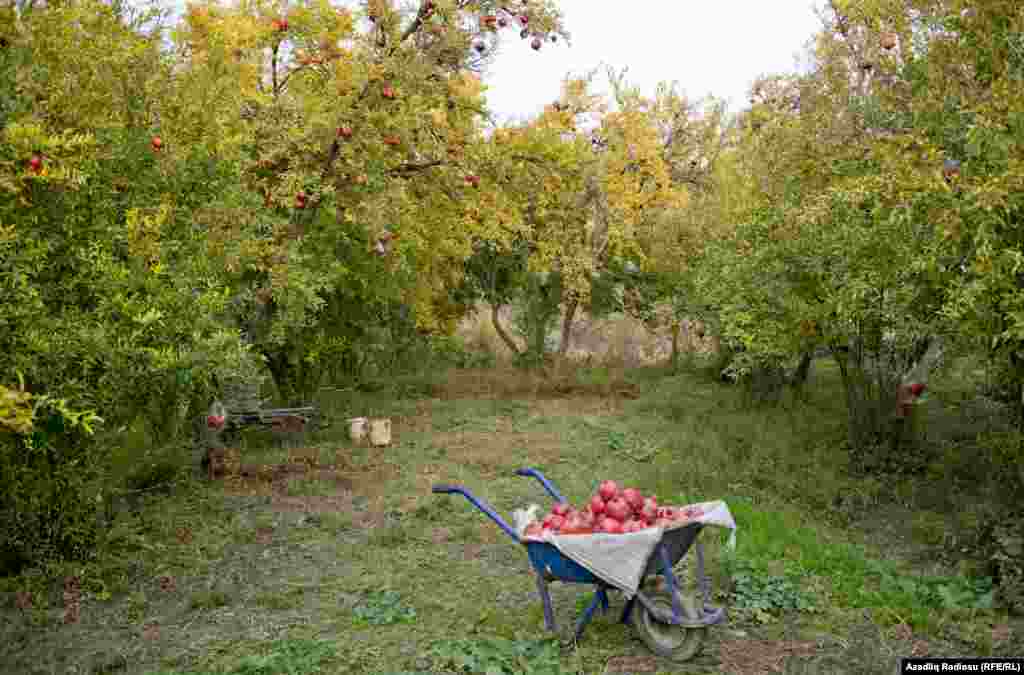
(671, 623)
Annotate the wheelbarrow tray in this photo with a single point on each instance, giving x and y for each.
(559, 567)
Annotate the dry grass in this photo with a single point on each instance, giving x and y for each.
(560, 381)
(492, 454)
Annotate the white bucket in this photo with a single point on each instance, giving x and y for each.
(357, 429)
(380, 432)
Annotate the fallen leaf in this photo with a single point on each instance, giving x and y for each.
(23, 600)
(184, 535)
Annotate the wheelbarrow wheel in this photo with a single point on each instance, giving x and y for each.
(677, 643)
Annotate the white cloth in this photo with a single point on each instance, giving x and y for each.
(620, 559)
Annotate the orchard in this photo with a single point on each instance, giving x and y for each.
(312, 199)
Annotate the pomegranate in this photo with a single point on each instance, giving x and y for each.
(611, 526)
(597, 504)
(608, 489)
(649, 511)
(561, 509)
(633, 497)
(574, 525)
(618, 509)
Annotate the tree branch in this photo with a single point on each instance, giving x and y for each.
(413, 168)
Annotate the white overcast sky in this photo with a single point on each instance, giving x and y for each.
(710, 47)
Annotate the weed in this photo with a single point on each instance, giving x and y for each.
(764, 594)
(288, 656)
(277, 601)
(382, 608)
(283, 657)
(209, 600)
(500, 657)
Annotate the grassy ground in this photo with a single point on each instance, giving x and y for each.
(354, 566)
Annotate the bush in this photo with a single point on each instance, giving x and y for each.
(161, 471)
(51, 505)
(998, 458)
(1006, 561)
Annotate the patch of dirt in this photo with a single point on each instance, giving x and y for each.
(420, 421)
(440, 535)
(313, 503)
(274, 479)
(492, 451)
(581, 405)
(371, 480)
(370, 519)
(631, 664)
(754, 657)
(264, 535)
(151, 631)
(558, 381)
(471, 551)
(1001, 634)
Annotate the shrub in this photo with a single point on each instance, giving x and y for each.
(50, 508)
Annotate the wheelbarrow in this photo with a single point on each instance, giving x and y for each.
(671, 623)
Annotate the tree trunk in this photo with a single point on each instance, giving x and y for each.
(295, 380)
(570, 314)
(675, 344)
(929, 353)
(803, 369)
(877, 399)
(1017, 365)
(500, 330)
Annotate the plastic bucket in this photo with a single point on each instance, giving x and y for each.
(380, 432)
(357, 429)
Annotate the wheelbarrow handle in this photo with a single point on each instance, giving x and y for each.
(543, 481)
(480, 504)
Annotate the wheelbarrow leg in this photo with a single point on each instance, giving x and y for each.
(627, 610)
(545, 598)
(670, 581)
(600, 598)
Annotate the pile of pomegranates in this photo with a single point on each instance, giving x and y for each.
(612, 510)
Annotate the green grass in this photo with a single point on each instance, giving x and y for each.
(392, 578)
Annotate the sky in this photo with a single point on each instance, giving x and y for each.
(709, 47)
